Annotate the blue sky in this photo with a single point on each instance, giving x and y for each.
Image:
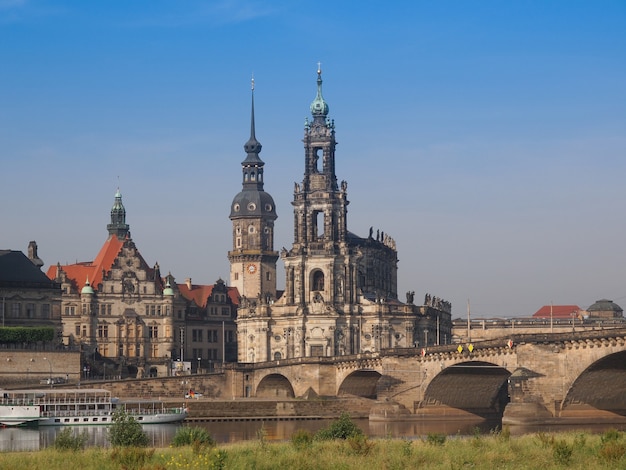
(486, 137)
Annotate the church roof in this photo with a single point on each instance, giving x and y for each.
(558, 311)
(92, 270)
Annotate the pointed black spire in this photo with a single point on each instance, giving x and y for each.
(253, 146)
(252, 166)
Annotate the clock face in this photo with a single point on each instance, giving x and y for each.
(251, 268)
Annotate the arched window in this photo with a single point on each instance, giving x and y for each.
(277, 356)
(318, 280)
(318, 152)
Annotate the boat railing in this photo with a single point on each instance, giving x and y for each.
(16, 402)
(64, 414)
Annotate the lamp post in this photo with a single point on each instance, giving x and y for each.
(182, 343)
(50, 365)
(199, 359)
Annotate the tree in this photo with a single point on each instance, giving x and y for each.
(126, 431)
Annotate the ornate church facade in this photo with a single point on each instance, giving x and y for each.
(341, 294)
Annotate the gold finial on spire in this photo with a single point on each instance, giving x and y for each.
(319, 67)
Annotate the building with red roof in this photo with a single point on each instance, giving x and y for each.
(558, 311)
(130, 321)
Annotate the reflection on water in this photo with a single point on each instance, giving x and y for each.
(26, 438)
(161, 435)
(17, 439)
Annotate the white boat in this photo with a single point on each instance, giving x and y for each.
(79, 406)
(15, 411)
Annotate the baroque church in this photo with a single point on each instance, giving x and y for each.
(341, 294)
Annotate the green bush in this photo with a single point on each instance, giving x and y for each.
(301, 439)
(407, 447)
(562, 452)
(610, 435)
(192, 436)
(436, 438)
(67, 440)
(580, 441)
(126, 431)
(25, 334)
(343, 428)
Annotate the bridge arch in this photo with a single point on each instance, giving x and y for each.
(362, 383)
(599, 387)
(275, 386)
(476, 386)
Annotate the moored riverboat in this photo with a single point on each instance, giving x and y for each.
(80, 406)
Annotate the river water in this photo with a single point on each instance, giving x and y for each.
(161, 435)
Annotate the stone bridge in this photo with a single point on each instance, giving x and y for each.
(522, 378)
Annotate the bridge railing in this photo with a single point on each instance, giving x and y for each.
(516, 339)
(306, 360)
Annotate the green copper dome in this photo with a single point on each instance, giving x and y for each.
(319, 107)
(87, 289)
(168, 289)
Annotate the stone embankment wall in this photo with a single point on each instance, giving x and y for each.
(256, 409)
(214, 386)
(25, 368)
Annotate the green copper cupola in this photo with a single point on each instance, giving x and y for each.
(118, 225)
(319, 107)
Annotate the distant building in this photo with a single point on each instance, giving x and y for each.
(558, 311)
(605, 308)
(341, 293)
(210, 331)
(27, 296)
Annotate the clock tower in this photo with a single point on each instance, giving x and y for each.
(252, 212)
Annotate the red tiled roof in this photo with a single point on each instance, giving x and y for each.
(200, 293)
(92, 270)
(558, 311)
(233, 293)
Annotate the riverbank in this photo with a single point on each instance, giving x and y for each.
(537, 451)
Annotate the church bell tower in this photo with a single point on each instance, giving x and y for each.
(320, 267)
(252, 212)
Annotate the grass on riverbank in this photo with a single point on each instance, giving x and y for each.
(537, 451)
